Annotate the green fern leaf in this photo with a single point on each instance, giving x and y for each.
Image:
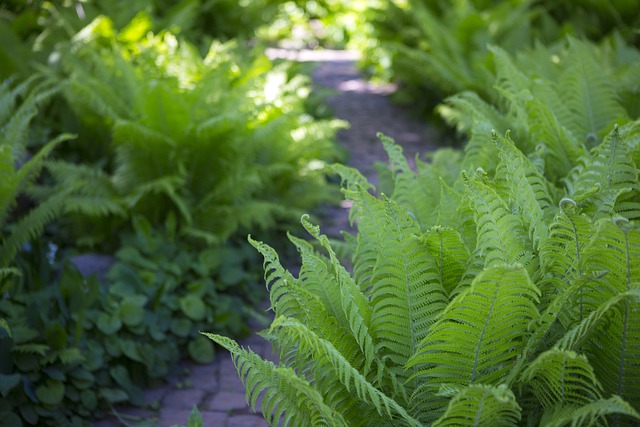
(281, 284)
(406, 294)
(501, 235)
(562, 377)
(325, 355)
(589, 96)
(610, 171)
(287, 399)
(369, 214)
(406, 191)
(351, 178)
(560, 148)
(354, 303)
(473, 342)
(562, 254)
(478, 119)
(591, 414)
(449, 253)
(580, 333)
(615, 349)
(527, 190)
(30, 226)
(481, 405)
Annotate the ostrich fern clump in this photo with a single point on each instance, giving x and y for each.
(497, 286)
(524, 307)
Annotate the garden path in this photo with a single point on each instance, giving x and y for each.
(215, 388)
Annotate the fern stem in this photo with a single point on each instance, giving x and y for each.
(484, 330)
(611, 168)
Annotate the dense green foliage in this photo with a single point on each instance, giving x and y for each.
(436, 49)
(174, 154)
(528, 312)
(497, 285)
(221, 142)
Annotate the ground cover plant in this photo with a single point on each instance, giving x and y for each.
(495, 285)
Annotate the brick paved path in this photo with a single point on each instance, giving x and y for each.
(215, 388)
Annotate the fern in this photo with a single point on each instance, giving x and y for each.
(324, 353)
(590, 414)
(286, 398)
(499, 232)
(589, 96)
(482, 405)
(406, 295)
(562, 378)
(528, 190)
(610, 172)
(484, 345)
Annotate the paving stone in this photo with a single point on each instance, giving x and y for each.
(203, 377)
(228, 377)
(227, 401)
(183, 399)
(247, 421)
(154, 395)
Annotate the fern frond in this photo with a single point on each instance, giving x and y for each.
(30, 170)
(578, 335)
(478, 119)
(15, 119)
(406, 293)
(610, 171)
(473, 342)
(30, 226)
(354, 304)
(562, 377)
(528, 189)
(500, 234)
(569, 234)
(560, 148)
(482, 405)
(280, 283)
(369, 214)
(615, 349)
(287, 399)
(316, 278)
(591, 414)
(450, 254)
(351, 178)
(406, 191)
(589, 96)
(325, 355)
